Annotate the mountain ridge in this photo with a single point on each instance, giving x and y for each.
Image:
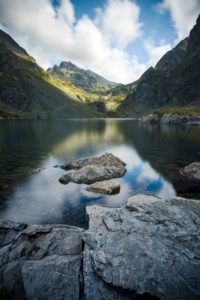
(84, 79)
(174, 82)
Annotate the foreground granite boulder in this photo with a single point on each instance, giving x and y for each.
(109, 187)
(94, 169)
(40, 261)
(148, 249)
(151, 246)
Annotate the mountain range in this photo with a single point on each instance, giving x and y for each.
(67, 91)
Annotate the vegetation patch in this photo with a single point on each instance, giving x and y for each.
(5, 293)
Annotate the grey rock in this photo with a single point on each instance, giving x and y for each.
(150, 245)
(106, 160)
(192, 171)
(152, 118)
(109, 187)
(94, 169)
(180, 119)
(90, 174)
(54, 277)
(171, 119)
(40, 261)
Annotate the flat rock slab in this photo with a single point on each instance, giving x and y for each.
(149, 246)
(108, 187)
(40, 261)
(95, 169)
(105, 160)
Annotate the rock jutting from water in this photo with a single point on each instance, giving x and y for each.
(109, 187)
(187, 180)
(147, 249)
(192, 171)
(94, 169)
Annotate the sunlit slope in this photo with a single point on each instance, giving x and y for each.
(27, 90)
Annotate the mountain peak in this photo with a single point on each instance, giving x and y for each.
(194, 39)
(84, 79)
(8, 43)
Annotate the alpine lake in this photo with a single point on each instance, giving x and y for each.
(32, 150)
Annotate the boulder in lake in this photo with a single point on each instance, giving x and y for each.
(106, 160)
(192, 171)
(108, 187)
(94, 169)
(92, 173)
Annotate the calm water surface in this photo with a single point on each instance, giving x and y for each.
(153, 156)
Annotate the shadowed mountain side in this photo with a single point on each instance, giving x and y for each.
(174, 82)
(27, 90)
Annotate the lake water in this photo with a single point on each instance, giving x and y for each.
(153, 155)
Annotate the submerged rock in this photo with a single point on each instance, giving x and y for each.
(149, 246)
(109, 187)
(94, 169)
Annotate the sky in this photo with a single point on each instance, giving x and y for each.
(118, 39)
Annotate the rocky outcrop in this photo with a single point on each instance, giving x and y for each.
(152, 118)
(94, 169)
(109, 187)
(40, 261)
(149, 246)
(173, 119)
(148, 249)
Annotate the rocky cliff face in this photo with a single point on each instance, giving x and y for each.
(84, 79)
(148, 249)
(173, 82)
(27, 90)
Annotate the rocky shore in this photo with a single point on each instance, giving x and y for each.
(173, 119)
(148, 249)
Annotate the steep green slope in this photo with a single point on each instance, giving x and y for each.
(84, 79)
(26, 90)
(174, 82)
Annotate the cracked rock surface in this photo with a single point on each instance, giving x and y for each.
(149, 246)
(147, 249)
(40, 261)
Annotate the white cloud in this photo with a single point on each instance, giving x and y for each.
(120, 22)
(55, 35)
(183, 14)
(155, 52)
